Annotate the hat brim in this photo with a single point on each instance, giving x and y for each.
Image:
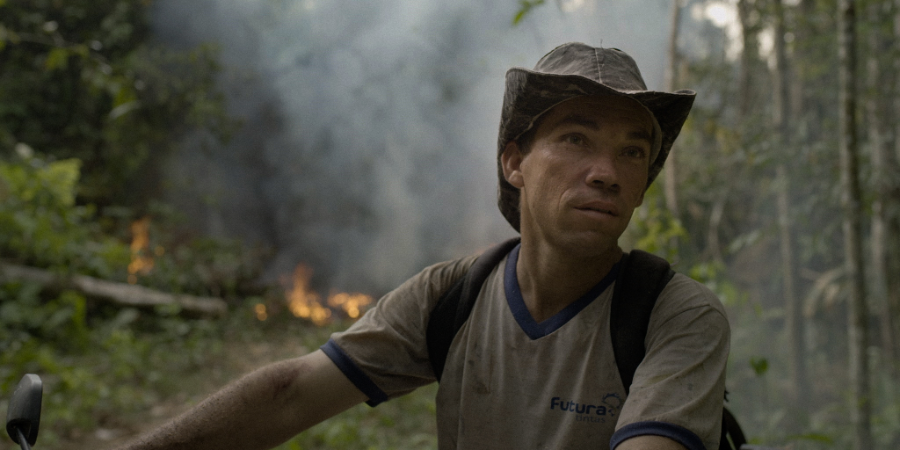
(530, 94)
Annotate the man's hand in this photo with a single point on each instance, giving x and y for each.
(649, 443)
(260, 410)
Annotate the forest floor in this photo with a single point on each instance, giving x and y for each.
(240, 353)
(407, 422)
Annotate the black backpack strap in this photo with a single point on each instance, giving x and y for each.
(642, 277)
(732, 437)
(453, 308)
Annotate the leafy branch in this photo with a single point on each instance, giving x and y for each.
(525, 7)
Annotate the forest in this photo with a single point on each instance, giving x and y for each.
(189, 190)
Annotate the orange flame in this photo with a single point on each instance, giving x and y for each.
(305, 303)
(141, 260)
(352, 304)
(260, 310)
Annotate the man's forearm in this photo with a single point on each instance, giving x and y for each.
(261, 410)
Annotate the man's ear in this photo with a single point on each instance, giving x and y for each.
(511, 160)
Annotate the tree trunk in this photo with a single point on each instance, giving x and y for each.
(120, 293)
(892, 200)
(799, 392)
(879, 118)
(748, 37)
(671, 80)
(851, 201)
(803, 61)
(749, 57)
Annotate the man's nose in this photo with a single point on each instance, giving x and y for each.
(602, 171)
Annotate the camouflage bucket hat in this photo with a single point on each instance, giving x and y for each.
(574, 70)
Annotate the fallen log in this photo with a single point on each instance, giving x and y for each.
(120, 293)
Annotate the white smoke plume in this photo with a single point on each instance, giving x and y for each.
(369, 138)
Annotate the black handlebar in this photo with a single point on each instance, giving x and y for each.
(23, 418)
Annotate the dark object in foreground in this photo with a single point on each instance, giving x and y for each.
(23, 417)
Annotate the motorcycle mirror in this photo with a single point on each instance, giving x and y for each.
(24, 413)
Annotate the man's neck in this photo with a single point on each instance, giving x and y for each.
(551, 278)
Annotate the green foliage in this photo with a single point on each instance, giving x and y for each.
(653, 228)
(40, 223)
(81, 79)
(403, 423)
(714, 275)
(93, 368)
(760, 365)
(525, 7)
(134, 362)
(89, 108)
(206, 266)
(98, 362)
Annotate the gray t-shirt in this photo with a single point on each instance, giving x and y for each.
(512, 383)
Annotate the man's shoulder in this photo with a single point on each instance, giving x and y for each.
(684, 293)
(432, 281)
(448, 271)
(454, 269)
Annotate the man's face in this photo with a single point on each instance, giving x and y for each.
(584, 173)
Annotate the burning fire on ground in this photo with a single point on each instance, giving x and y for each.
(302, 301)
(305, 303)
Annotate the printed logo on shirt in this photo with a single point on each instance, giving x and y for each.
(608, 407)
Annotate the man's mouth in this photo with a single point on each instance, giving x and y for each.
(605, 211)
(600, 207)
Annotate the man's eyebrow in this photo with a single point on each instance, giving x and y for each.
(578, 119)
(588, 122)
(642, 135)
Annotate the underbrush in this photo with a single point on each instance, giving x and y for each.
(110, 371)
(758, 381)
(110, 380)
(95, 370)
(404, 423)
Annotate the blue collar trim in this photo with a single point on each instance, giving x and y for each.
(520, 312)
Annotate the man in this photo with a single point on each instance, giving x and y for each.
(580, 140)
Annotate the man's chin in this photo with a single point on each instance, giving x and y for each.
(576, 237)
(589, 243)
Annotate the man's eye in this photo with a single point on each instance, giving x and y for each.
(574, 139)
(635, 152)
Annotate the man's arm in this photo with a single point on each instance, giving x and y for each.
(260, 410)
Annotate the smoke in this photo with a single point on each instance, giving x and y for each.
(368, 142)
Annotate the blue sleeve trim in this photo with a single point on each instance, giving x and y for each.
(676, 433)
(354, 374)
